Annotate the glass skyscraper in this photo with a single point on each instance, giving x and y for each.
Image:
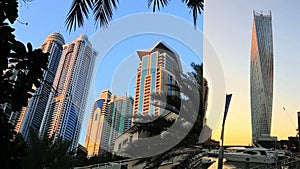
(158, 66)
(261, 75)
(32, 115)
(72, 82)
(121, 117)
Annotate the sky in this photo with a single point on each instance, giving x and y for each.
(227, 29)
(120, 59)
(227, 37)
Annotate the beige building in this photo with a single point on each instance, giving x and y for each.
(98, 129)
(158, 66)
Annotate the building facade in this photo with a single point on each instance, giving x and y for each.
(121, 118)
(98, 126)
(158, 66)
(261, 75)
(32, 115)
(109, 118)
(72, 82)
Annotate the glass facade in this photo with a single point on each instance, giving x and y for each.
(261, 75)
(65, 113)
(32, 116)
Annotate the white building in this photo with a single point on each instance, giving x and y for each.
(72, 82)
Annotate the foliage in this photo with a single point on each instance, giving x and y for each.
(189, 106)
(12, 146)
(46, 153)
(103, 10)
(104, 158)
(20, 67)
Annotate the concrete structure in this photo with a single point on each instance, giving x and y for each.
(121, 118)
(261, 75)
(31, 117)
(158, 66)
(97, 135)
(110, 117)
(72, 82)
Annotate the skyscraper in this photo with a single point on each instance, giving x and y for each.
(31, 117)
(72, 82)
(97, 135)
(261, 75)
(158, 67)
(109, 118)
(121, 117)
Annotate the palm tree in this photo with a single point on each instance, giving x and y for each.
(103, 10)
(189, 106)
(46, 153)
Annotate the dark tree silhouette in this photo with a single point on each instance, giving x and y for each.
(47, 153)
(21, 67)
(103, 10)
(12, 146)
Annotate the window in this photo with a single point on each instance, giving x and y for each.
(96, 117)
(119, 148)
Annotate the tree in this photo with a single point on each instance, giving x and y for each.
(189, 106)
(20, 68)
(48, 153)
(103, 10)
(12, 146)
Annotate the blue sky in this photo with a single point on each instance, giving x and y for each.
(45, 17)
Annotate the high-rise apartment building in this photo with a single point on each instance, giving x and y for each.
(158, 66)
(121, 117)
(32, 115)
(97, 135)
(72, 82)
(261, 75)
(109, 118)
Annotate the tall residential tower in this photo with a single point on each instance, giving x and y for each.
(72, 82)
(261, 75)
(109, 118)
(31, 117)
(158, 66)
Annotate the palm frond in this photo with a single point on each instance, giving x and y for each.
(196, 7)
(103, 11)
(157, 4)
(79, 9)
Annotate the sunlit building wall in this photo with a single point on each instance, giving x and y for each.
(97, 135)
(261, 74)
(72, 82)
(158, 66)
(109, 118)
(32, 115)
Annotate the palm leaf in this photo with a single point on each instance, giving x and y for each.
(157, 4)
(79, 9)
(196, 7)
(103, 11)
